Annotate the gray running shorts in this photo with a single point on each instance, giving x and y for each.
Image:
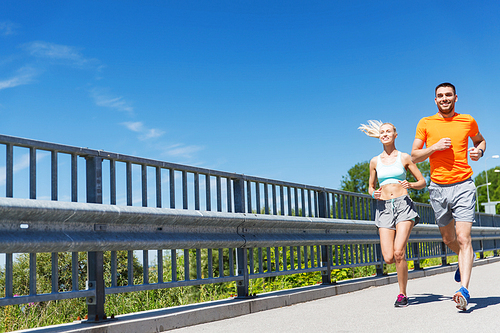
(453, 201)
(391, 212)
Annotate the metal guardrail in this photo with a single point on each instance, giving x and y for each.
(246, 227)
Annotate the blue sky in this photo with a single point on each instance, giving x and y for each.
(270, 89)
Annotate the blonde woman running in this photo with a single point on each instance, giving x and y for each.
(395, 214)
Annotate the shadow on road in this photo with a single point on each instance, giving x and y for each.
(427, 298)
(475, 303)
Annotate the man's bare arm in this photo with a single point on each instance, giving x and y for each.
(420, 154)
(479, 143)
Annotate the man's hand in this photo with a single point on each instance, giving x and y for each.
(474, 153)
(442, 144)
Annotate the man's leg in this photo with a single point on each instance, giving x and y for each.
(450, 237)
(466, 254)
(465, 261)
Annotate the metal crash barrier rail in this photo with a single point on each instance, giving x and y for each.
(231, 227)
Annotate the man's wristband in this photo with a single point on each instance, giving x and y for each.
(482, 152)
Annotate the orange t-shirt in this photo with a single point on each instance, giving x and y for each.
(448, 166)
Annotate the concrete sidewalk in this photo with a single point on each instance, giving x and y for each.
(371, 310)
(360, 305)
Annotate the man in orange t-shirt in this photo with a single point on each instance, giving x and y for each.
(452, 191)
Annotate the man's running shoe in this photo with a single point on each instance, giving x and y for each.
(401, 302)
(462, 298)
(457, 274)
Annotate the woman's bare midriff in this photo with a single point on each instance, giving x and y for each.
(392, 191)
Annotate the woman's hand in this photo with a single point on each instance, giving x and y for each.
(377, 193)
(405, 184)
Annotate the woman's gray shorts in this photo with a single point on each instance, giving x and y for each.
(453, 201)
(391, 212)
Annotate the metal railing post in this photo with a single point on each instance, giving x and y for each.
(379, 267)
(95, 260)
(416, 250)
(326, 250)
(242, 286)
(9, 168)
(444, 262)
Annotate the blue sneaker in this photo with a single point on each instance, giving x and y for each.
(457, 274)
(462, 298)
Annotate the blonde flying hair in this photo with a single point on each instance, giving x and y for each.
(372, 129)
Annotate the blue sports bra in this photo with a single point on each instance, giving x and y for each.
(392, 173)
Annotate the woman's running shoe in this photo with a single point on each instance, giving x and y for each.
(401, 301)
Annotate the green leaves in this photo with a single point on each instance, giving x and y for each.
(357, 178)
(423, 194)
(494, 188)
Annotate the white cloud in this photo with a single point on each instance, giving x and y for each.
(146, 133)
(101, 98)
(61, 53)
(7, 28)
(57, 52)
(153, 133)
(114, 102)
(180, 150)
(134, 126)
(23, 76)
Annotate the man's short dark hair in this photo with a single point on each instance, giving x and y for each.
(446, 84)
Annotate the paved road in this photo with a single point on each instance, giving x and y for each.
(371, 310)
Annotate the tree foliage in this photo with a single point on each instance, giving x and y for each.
(357, 178)
(423, 194)
(494, 188)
